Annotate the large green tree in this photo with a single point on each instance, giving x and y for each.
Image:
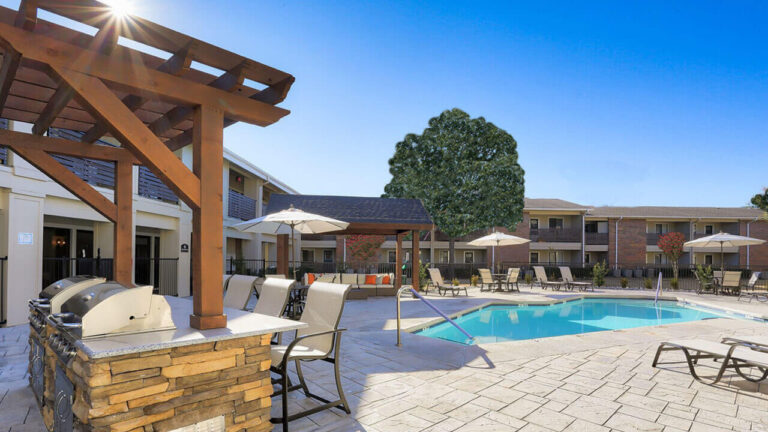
(464, 170)
(761, 200)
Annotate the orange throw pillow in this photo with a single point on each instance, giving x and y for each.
(310, 278)
(385, 280)
(370, 279)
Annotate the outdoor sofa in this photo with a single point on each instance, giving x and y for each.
(362, 285)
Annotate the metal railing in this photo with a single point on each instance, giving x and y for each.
(592, 238)
(150, 186)
(60, 268)
(555, 234)
(3, 293)
(241, 206)
(162, 273)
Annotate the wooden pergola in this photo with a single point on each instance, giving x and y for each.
(369, 216)
(54, 76)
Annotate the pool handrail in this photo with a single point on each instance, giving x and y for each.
(428, 303)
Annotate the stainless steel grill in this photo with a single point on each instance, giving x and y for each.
(54, 295)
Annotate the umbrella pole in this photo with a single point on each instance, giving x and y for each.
(293, 250)
(722, 259)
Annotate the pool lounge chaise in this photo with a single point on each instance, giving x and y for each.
(753, 291)
(568, 278)
(541, 276)
(513, 274)
(730, 356)
(442, 288)
(486, 279)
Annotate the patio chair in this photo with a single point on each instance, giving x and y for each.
(226, 279)
(541, 276)
(704, 286)
(513, 274)
(731, 282)
(275, 295)
(752, 291)
(568, 278)
(486, 279)
(239, 289)
(320, 340)
(442, 288)
(731, 356)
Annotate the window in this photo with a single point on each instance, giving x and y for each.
(659, 228)
(590, 227)
(556, 223)
(328, 255)
(534, 224)
(657, 259)
(586, 258)
(443, 258)
(469, 257)
(307, 255)
(392, 256)
(708, 230)
(534, 257)
(708, 259)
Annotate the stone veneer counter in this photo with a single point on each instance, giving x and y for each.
(165, 380)
(239, 324)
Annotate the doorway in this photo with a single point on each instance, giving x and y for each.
(56, 248)
(142, 263)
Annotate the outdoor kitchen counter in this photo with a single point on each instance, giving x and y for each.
(240, 324)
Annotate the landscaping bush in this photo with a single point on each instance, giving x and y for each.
(528, 278)
(474, 279)
(455, 282)
(647, 283)
(674, 283)
(598, 273)
(624, 282)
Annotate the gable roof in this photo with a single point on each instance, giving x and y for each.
(552, 204)
(356, 210)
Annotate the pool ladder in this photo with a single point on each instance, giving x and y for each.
(428, 303)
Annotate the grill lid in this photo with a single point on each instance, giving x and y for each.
(57, 293)
(60, 285)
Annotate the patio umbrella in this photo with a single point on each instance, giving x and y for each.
(722, 240)
(498, 239)
(296, 220)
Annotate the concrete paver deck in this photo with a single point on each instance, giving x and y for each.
(590, 382)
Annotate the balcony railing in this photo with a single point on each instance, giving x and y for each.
(555, 235)
(652, 239)
(697, 235)
(151, 186)
(240, 206)
(592, 238)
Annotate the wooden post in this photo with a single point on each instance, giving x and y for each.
(122, 265)
(207, 226)
(398, 261)
(282, 255)
(415, 260)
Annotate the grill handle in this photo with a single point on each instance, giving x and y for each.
(40, 303)
(57, 318)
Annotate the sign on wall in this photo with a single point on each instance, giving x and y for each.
(184, 248)
(26, 238)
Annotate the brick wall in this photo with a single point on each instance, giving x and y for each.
(758, 254)
(517, 253)
(632, 245)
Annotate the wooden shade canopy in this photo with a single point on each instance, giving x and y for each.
(54, 76)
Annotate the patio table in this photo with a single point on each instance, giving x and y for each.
(499, 278)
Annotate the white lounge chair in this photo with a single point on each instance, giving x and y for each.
(541, 276)
(239, 289)
(565, 272)
(731, 356)
(442, 288)
(320, 340)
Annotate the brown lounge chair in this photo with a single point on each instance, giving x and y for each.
(442, 288)
(731, 356)
(731, 282)
(753, 291)
(320, 340)
(568, 278)
(486, 279)
(541, 276)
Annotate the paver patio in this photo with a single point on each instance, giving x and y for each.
(591, 382)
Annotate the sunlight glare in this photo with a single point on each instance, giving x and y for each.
(121, 8)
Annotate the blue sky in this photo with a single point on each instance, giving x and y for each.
(611, 103)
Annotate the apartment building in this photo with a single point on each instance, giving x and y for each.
(564, 232)
(47, 233)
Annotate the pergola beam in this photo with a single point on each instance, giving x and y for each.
(26, 19)
(46, 52)
(104, 41)
(69, 180)
(65, 147)
(177, 65)
(133, 134)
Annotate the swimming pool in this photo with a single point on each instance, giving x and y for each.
(499, 323)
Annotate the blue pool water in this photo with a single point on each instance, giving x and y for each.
(499, 323)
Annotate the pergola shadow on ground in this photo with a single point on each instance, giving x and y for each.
(366, 215)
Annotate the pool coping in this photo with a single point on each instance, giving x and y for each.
(575, 297)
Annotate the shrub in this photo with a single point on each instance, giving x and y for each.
(423, 275)
(674, 283)
(455, 282)
(704, 274)
(528, 278)
(647, 283)
(474, 280)
(624, 282)
(598, 273)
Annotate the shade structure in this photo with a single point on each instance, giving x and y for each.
(498, 239)
(722, 240)
(296, 220)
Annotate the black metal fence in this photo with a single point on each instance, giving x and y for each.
(3, 293)
(162, 273)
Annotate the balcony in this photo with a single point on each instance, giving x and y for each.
(568, 235)
(240, 206)
(150, 186)
(698, 235)
(593, 238)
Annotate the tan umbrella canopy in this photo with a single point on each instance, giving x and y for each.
(722, 240)
(498, 239)
(296, 220)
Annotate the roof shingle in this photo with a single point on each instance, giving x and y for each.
(355, 209)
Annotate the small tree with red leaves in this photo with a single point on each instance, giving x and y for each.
(672, 246)
(364, 248)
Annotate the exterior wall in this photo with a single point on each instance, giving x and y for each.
(632, 241)
(517, 253)
(758, 254)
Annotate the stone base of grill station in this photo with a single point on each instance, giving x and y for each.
(162, 381)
